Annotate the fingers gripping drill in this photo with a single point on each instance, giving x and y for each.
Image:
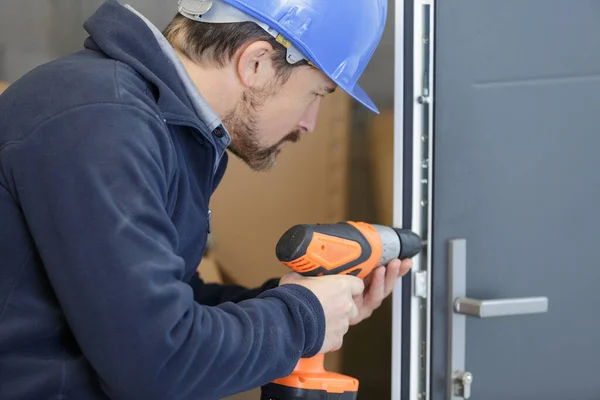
(355, 248)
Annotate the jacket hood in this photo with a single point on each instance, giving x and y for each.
(123, 36)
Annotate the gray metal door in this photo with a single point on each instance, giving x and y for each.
(516, 197)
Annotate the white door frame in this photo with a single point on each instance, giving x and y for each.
(421, 189)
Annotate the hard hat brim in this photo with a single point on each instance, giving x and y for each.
(362, 97)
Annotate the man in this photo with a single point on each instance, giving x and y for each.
(108, 159)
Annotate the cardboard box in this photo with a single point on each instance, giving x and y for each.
(364, 358)
(3, 86)
(251, 210)
(381, 140)
(209, 269)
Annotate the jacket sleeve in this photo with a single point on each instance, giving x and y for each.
(212, 294)
(93, 184)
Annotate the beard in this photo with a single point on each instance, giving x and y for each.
(242, 123)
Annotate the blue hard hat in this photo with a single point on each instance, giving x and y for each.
(336, 36)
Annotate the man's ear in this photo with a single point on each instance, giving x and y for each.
(254, 65)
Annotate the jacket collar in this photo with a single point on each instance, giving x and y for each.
(210, 119)
(124, 35)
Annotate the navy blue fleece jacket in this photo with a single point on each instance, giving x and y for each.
(106, 172)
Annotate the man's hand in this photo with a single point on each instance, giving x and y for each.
(378, 286)
(336, 293)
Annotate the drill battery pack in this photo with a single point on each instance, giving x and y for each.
(273, 391)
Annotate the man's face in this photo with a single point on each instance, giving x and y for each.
(266, 118)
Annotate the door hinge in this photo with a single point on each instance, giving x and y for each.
(421, 284)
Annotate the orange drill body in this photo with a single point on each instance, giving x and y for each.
(353, 248)
(310, 375)
(328, 254)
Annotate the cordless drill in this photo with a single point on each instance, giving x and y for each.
(352, 248)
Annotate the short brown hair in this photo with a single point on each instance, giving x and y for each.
(216, 44)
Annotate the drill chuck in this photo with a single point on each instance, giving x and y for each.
(397, 243)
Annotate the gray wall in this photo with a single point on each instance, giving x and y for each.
(378, 78)
(40, 31)
(35, 31)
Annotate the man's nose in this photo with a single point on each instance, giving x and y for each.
(309, 122)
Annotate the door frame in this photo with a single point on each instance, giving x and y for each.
(413, 172)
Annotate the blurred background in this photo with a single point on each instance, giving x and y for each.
(341, 172)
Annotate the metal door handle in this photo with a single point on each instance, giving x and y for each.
(500, 307)
(460, 382)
